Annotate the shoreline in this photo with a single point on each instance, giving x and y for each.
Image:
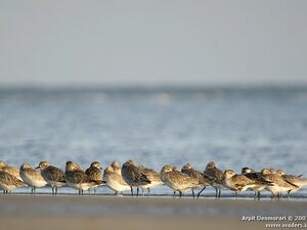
(209, 195)
(92, 212)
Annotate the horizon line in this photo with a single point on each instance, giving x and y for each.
(145, 85)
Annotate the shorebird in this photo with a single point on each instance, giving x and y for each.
(215, 176)
(8, 182)
(261, 182)
(94, 172)
(203, 179)
(53, 175)
(76, 178)
(298, 181)
(10, 170)
(154, 178)
(32, 177)
(113, 177)
(238, 183)
(177, 180)
(279, 185)
(134, 176)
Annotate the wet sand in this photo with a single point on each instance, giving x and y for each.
(20, 211)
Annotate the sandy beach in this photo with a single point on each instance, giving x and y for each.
(97, 212)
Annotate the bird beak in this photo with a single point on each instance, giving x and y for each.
(37, 167)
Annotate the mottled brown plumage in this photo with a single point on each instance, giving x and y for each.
(8, 182)
(10, 169)
(237, 183)
(153, 176)
(94, 171)
(253, 175)
(215, 174)
(76, 178)
(134, 175)
(177, 180)
(279, 185)
(261, 182)
(215, 177)
(53, 175)
(203, 179)
(190, 171)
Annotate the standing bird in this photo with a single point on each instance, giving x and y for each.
(113, 177)
(298, 181)
(177, 180)
(279, 185)
(216, 177)
(32, 177)
(94, 172)
(10, 170)
(52, 175)
(76, 178)
(134, 176)
(203, 180)
(9, 182)
(262, 183)
(154, 178)
(239, 183)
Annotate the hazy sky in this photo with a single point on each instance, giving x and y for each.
(153, 42)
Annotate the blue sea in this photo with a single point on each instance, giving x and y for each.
(256, 127)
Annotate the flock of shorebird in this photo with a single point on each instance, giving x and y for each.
(130, 175)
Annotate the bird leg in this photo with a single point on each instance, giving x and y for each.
(198, 195)
(258, 195)
(216, 192)
(174, 195)
(131, 190)
(278, 196)
(288, 194)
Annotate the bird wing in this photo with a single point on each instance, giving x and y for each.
(7, 178)
(257, 177)
(54, 174)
